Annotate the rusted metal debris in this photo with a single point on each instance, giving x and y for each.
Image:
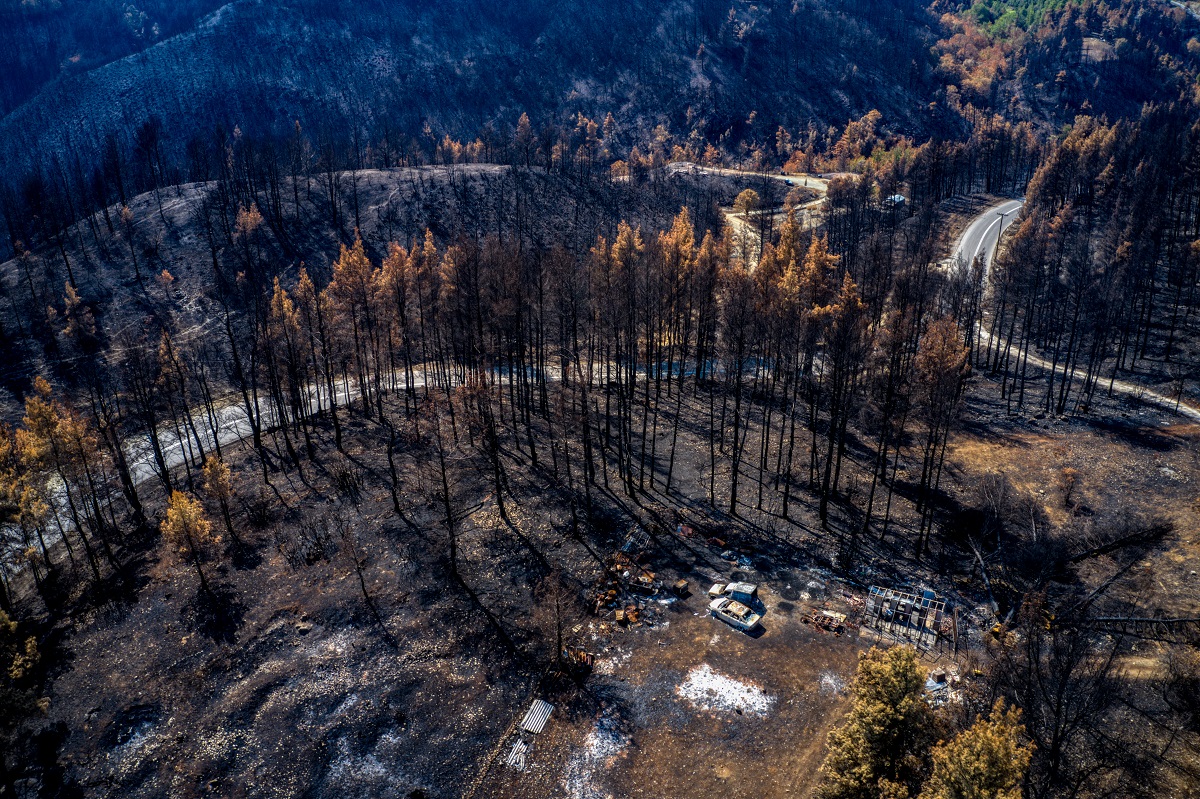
(827, 620)
(578, 661)
(641, 582)
(636, 543)
(853, 601)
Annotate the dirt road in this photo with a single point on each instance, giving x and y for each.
(232, 424)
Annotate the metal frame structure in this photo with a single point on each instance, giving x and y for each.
(916, 618)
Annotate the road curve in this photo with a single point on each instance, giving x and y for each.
(983, 234)
(981, 238)
(817, 183)
(1190, 11)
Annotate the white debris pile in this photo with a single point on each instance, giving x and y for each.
(611, 662)
(603, 745)
(366, 774)
(832, 684)
(710, 690)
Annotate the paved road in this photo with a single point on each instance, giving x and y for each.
(981, 238)
(747, 245)
(983, 234)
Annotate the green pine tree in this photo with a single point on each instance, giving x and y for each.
(986, 761)
(882, 748)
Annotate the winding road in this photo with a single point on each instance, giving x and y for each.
(817, 183)
(748, 244)
(1189, 9)
(983, 234)
(981, 239)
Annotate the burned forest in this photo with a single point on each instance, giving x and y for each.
(611, 400)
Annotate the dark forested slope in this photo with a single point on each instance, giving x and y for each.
(384, 82)
(41, 40)
(714, 68)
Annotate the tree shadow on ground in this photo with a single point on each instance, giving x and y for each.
(245, 556)
(1137, 435)
(219, 613)
(46, 762)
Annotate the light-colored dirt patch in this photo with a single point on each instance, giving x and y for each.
(1096, 50)
(584, 776)
(1084, 474)
(706, 689)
